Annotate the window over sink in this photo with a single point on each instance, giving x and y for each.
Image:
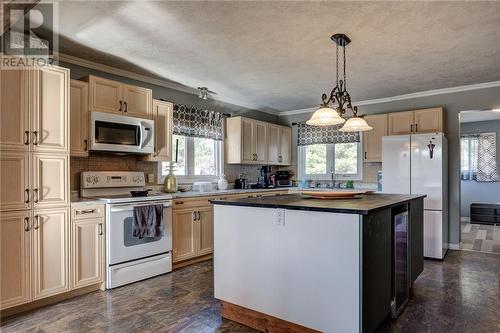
(198, 159)
(321, 161)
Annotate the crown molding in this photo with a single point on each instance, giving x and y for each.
(147, 79)
(419, 94)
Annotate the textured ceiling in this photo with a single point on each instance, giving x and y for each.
(273, 55)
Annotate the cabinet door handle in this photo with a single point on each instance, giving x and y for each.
(36, 197)
(120, 106)
(35, 138)
(194, 216)
(86, 145)
(416, 128)
(26, 223)
(37, 224)
(126, 107)
(411, 128)
(85, 211)
(26, 137)
(179, 202)
(365, 155)
(27, 195)
(100, 229)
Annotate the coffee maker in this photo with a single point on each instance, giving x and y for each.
(284, 179)
(266, 179)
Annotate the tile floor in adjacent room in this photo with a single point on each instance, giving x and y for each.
(480, 237)
(459, 294)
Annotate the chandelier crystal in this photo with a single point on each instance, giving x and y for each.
(326, 115)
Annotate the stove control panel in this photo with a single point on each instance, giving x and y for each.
(103, 179)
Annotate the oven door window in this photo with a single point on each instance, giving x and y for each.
(129, 240)
(116, 133)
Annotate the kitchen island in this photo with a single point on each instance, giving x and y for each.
(293, 263)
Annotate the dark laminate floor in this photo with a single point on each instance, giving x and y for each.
(460, 294)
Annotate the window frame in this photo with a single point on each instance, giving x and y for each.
(330, 164)
(190, 177)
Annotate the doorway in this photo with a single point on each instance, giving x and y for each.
(480, 181)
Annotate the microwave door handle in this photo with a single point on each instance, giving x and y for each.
(141, 136)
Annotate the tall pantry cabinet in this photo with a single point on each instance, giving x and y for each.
(34, 181)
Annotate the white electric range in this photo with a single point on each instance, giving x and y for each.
(128, 258)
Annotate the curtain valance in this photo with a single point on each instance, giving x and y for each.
(311, 135)
(195, 122)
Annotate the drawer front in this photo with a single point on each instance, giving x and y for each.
(192, 203)
(80, 212)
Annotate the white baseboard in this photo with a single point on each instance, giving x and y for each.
(453, 246)
(465, 219)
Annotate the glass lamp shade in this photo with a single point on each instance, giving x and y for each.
(325, 116)
(356, 124)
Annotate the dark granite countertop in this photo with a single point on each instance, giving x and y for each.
(363, 205)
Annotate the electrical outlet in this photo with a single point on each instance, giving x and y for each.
(280, 217)
(151, 178)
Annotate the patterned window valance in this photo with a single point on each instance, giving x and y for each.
(194, 122)
(311, 135)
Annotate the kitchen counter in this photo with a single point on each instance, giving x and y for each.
(364, 204)
(326, 265)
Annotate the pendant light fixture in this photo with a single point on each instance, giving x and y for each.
(326, 115)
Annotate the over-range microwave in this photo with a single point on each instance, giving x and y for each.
(116, 133)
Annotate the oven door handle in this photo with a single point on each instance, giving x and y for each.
(129, 207)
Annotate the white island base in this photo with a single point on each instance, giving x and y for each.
(303, 267)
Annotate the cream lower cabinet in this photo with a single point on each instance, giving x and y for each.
(50, 252)
(15, 258)
(34, 255)
(192, 230)
(87, 246)
(79, 120)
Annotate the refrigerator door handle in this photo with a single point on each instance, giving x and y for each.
(431, 149)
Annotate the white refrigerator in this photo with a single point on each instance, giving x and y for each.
(418, 164)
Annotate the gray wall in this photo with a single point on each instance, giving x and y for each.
(453, 103)
(78, 72)
(480, 192)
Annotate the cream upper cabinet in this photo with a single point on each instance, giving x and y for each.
(137, 101)
(15, 258)
(162, 115)
(50, 252)
(50, 115)
(372, 140)
(50, 180)
(429, 120)
(115, 97)
(250, 141)
(206, 230)
(401, 122)
(105, 95)
(15, 192)
(15, 131)
(79, 118)
(285, 157)
(279, 144)
(260, 142)
(87, 253)
(274, 144)
(418, 121)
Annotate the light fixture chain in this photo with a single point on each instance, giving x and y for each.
(337, 71)
(345, 79)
